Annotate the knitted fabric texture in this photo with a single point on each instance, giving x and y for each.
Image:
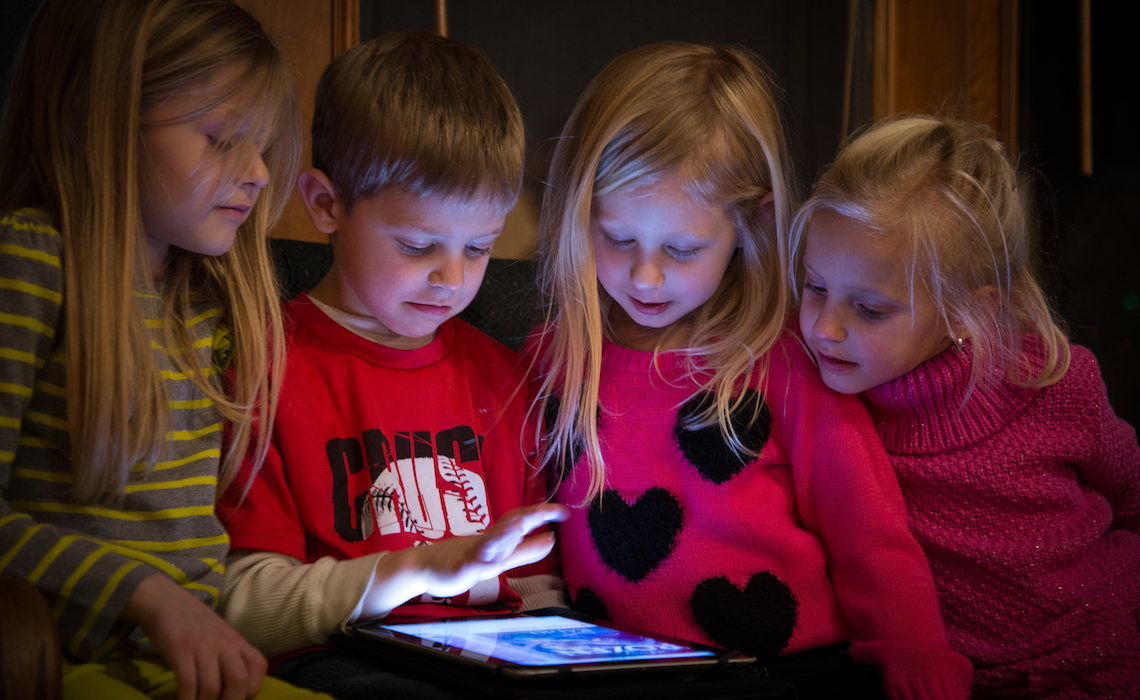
(799, 548)
(1027, 503)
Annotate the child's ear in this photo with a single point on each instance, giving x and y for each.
(320, 200)
(768, 205)
(988, 292)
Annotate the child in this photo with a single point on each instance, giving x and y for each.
(146, 147)
(1021, 484)
(721, 493)
(398, 425)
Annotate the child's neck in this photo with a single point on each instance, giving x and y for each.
(327, 299)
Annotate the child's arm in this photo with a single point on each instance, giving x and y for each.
(1113, 467)
(848, 495)
(207, 655)
(280, 604)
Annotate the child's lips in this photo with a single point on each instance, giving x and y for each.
(650, 309)
(431, 309)
(237, 212)
(835, 364)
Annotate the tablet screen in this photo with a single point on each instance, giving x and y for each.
(541, 641)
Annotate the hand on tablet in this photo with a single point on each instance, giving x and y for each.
(453, 566)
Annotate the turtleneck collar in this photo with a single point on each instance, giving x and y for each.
(922, 412)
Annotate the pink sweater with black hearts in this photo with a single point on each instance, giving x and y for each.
(1027, 503)
(802, 547)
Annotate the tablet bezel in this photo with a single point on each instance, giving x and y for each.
(721, 658)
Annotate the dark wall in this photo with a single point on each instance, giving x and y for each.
(549, 51)
(1090, 234)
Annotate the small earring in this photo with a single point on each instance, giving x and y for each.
(958, 344)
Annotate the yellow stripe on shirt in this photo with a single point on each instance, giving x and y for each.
(176, 484)
(29, 253)
(100, 601)
(193, 434)
(29, 288)
(20, 356)
(29, 323)
(131, 515)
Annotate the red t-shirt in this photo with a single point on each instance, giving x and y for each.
(377, 449)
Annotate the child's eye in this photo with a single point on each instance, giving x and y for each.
(871, 313)
(478, 251)
(814, 289)
(218, 144)
(409, 249)
(617, 243)
(683, 254)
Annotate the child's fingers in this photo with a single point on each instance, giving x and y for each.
(531, 517)
(209, 675)
(185, 676)
(235, 677)
(530, 550)
(257, 666)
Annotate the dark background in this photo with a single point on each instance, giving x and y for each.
(1090, 241)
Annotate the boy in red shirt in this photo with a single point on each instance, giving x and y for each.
(396, 479)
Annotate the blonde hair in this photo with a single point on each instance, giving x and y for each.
(420, 111)
(963, 212)
(708, 116)
(86, 77)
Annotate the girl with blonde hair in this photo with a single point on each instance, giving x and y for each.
(918, 290)
(720, 493)
(146, 148)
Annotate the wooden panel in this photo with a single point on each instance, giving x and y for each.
(952, 57)
(310, 33)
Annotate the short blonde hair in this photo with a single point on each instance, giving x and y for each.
(70, 141)
(420, 111)
(950, 192)
(709, 116)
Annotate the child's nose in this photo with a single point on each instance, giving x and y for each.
(646, 273)
(257, 174)
(828, 326)
(448, 274)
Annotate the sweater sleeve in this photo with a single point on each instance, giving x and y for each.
(1112, 468)
(87, 581)
(280, 605)
(849, 496)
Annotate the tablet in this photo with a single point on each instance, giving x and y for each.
(549, 645)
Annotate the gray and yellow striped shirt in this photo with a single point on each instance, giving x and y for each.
(87, 560)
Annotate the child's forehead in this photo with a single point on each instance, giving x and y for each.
(429, 212)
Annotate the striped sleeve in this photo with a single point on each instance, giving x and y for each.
(88, 559)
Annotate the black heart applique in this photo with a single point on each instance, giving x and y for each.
(758, 620)
(707, 450)
(633, 540)
(589, 604)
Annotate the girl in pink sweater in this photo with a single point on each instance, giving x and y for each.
(720, 493)
(1021, 484)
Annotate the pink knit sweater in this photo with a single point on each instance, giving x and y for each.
(805, 546)
(1027, 503)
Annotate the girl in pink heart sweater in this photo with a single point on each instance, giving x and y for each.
(720, 492)
(1021, 484)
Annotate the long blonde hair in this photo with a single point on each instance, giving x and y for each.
(707, 115)
(963, 211)
(70, 141)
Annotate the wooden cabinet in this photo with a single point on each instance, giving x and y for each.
(953, 57)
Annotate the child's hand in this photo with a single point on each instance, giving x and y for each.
(453, 566)
(209, 658)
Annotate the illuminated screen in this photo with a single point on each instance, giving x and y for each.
(542, 641)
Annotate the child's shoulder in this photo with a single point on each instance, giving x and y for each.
(32, 226)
